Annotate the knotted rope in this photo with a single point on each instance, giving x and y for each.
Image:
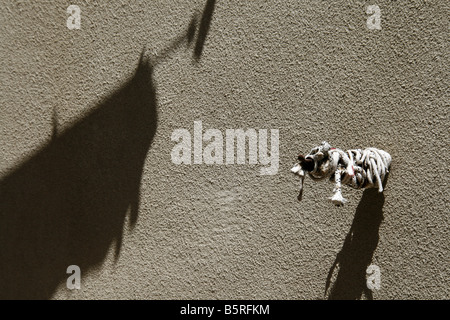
(356, 168)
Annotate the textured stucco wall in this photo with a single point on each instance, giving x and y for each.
(78, 115)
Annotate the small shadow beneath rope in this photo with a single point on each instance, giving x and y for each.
(358, 249)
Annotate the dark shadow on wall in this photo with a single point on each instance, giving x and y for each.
(358, 249)
(68, 203)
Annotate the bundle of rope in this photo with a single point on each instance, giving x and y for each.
(356, 168)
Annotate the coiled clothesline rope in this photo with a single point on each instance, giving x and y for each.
(356, 168)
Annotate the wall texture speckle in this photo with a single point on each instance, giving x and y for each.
(87, 177)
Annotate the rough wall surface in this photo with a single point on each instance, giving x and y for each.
(87, 177)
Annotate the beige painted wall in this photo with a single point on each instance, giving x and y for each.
(78, 115)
